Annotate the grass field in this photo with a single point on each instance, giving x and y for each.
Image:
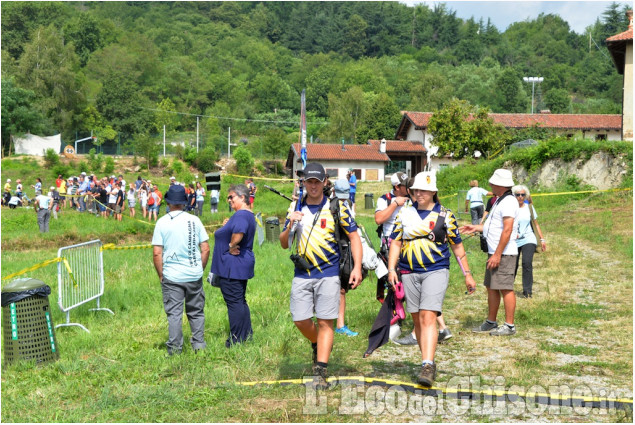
(575, 333)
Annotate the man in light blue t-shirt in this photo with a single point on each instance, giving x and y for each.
(180, 255)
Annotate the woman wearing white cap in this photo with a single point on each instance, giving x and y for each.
(422, 237)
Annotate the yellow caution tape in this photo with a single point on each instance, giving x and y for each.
(113, 246)
(582, 191)
(260, 178)
(44, 264)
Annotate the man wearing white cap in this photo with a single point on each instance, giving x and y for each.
(500, 231)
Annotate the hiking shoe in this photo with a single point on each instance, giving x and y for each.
(320, 374)
(344, 330)
(427, 375)
(503, 330)
(444, 335)
(485, 327)
(407, 340)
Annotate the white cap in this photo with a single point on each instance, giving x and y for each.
(172, 178)
(83, 173)
(425, 180)
(399, 178)
(8, 180)
(52, 188)
(502, 177)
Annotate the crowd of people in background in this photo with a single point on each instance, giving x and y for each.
(111, 196)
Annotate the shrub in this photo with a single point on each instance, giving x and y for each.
(244, 160)
(177, 166)
(179, 152)
(95, 161)
(62, 169)
(109, 168)
(206, 161)
(51, 158)
(190, 156)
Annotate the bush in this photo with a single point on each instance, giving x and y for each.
(190, 156)
(244, 160)
(95, 161)
(62, 169)
(109, 168)
(179, 152)
(206, 161)
(51, 158)
(177, 166)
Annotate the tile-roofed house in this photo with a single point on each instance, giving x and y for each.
(621, 48)
(414, 126)
(367, 160)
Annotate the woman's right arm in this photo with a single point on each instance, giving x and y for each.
(393, 258)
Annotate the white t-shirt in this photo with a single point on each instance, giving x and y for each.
(382, 204)
(180, 235)
(493, 226)
(475, 196)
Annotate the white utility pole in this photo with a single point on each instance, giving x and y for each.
(197, 134)
(533, 81)
(163, 140)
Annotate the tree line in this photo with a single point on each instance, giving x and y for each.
(120, 69)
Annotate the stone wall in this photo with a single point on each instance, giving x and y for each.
(602, 170)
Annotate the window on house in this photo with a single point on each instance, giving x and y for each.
(443, 166)
(333, 173)
(600, 137)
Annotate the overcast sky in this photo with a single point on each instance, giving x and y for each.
(579, 14)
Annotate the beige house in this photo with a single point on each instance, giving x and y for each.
(621, 48)
(414, 127)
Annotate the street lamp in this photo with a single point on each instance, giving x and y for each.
(533, 81)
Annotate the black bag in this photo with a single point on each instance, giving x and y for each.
(346, 254)
(484, 244)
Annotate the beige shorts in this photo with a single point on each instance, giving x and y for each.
(502, 277)
(118, 210)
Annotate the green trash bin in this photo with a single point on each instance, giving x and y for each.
(272, 229)
(27, 326)
(368, 201)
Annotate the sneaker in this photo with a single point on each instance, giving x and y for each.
(344, 330)
(320, 375)
(485, 327)
(444, 335)
(427, 375)
(407, 340)
(503, 330)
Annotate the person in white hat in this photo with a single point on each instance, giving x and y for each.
(422, 237)
(499, 229)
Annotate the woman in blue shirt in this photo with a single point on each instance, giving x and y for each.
(423, 235)
(527, 241)
(233, 262)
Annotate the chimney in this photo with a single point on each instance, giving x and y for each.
(382, 146)
(629, 16)
(343, 148)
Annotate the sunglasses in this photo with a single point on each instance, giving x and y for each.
(520, 195)
(230, 197)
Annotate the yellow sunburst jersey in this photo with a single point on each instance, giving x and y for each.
(317, 238)
(418, 253)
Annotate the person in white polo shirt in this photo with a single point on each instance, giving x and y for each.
(500, 230)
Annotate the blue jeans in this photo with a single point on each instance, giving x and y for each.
(237, 309)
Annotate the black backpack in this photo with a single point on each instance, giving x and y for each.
(346, 255)
(380, 227)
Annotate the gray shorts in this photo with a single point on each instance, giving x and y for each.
(319, 296)
(502, 277)
(425, 291)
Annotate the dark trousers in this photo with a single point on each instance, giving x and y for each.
(237, 310)
(527, 252)
(476, 214)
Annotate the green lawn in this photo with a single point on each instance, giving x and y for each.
(576, 332)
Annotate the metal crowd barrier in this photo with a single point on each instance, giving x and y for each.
(84, 282)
